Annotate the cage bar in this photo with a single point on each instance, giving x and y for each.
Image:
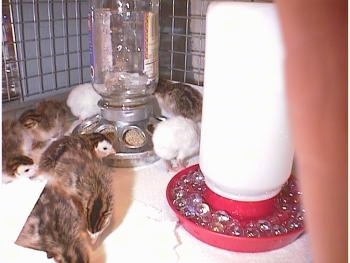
(46, 46)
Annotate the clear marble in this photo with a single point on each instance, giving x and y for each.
(189, 201)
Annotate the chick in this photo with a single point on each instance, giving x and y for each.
(56, 225)
(96, 144)
(176, 139)
(24, 140)
(96, 189)
(15, 139)
(84, 176)
(99, 143)
(82, 101)
(17, 166)
(48, 120)
(18, 155)
(179, 99)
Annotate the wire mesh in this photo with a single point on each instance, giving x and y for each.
(52, 45)
(182, 40)
(10, 84)
(46, 45)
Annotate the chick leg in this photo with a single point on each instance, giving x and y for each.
(168, 165)
(180, 163)
(177, 166)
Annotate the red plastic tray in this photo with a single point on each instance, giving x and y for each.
(229, 242)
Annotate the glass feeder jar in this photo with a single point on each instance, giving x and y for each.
(124, 41)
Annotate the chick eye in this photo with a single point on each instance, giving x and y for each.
(27, 170)
(105, 148)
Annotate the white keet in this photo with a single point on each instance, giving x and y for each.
(82, 101)
(178, 139)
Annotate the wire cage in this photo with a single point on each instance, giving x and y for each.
(182, 40)
(46, 46)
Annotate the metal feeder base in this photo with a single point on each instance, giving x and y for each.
(132, 141)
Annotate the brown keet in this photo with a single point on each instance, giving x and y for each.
(96, 144)
(176, 98)
(56, 225)
(18, 166)
(83, 175)
(18, 155)
(48, 120)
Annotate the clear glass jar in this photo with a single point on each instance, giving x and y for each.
(124, 41)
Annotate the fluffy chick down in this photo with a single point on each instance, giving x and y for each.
(176, 139)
